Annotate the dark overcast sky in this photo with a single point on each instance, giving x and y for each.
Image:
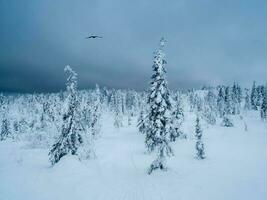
(209, 42)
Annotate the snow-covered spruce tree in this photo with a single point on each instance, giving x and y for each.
(70, 139)
(177, 119)
(199, 144)
(247, 105)
(142, 122)
(209, 110)
(220, 101)
(236, 99)
(260, 94)
(159, 116)
(199, 103)
(209, 115)
(264, 106)
(239, 94)
(253, 96)
(96, 112)
(227, 101)
(227, 122)
(210, 100)
(191, 99)
(116, 102)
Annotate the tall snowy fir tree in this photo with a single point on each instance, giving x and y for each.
(199, 144)
(158, 133)
(70, 139)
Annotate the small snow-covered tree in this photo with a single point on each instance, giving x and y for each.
(227, 122)
(116, 100)
(239, 94)
(253, 96)
(158, 133)
(227, 101)
(177, 119)
(247, 105)
(209, 110)
(5, 129)
(260, 94)
(96, 112)
(220, 101)
(199, 144)
(210, 100)
(209, 115)
(264, 106)
(142, 122)
(71, 138)
(236, 98)
(191, 99)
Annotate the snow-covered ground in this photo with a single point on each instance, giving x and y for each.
(235, 167)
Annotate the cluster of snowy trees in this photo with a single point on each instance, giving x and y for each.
(69, 122)
(162, 118)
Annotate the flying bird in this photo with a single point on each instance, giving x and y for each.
(93, 37)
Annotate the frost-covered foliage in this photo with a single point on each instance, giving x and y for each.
(199, 144)
(70, 122)
(159, 113)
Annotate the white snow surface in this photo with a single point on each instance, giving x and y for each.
(235, 167)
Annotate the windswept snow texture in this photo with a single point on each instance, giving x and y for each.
(235, 168)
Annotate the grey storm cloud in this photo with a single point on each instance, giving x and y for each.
(209, 42)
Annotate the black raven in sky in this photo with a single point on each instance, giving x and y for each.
(93, 37)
